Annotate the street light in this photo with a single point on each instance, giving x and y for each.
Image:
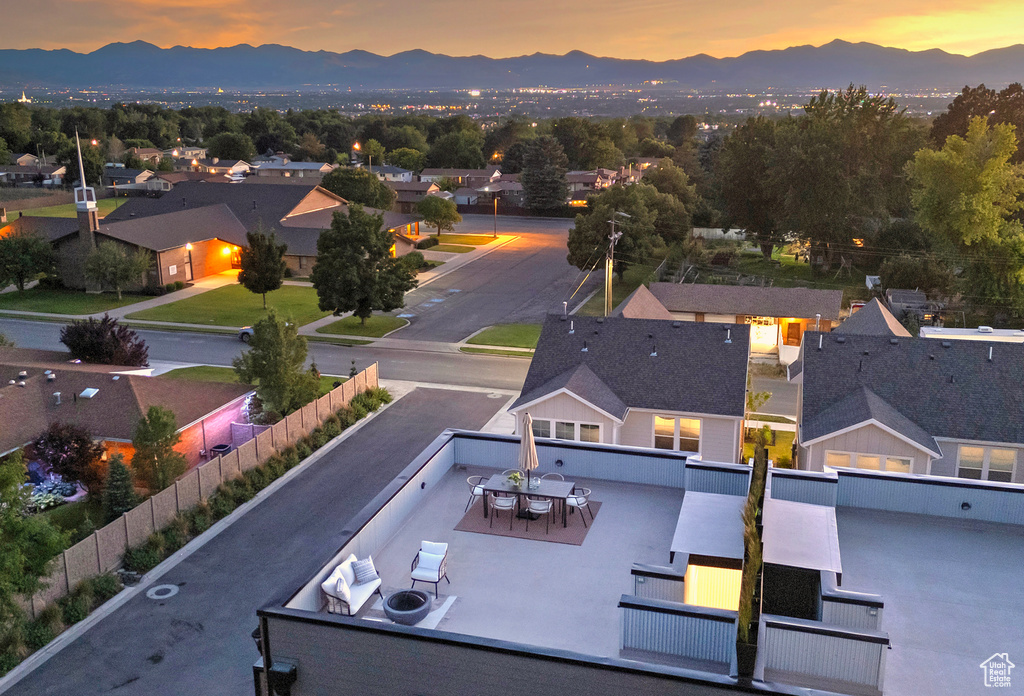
(495, 216)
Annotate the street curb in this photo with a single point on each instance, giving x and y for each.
(29, 664)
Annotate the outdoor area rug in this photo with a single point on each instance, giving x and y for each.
(439, 607)
(575, 533)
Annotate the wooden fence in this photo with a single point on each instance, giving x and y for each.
(102, 550)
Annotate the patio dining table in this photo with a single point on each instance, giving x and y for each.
(547, 488)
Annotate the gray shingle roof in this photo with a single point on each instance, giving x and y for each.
(172, 230)
(946, 388)
(695, 370)
(641, 304)
(755, 301)
(859, 406)
(50, 228)
(873, 319)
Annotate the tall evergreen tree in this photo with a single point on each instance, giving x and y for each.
(543, 177)
(119, 494)
(156, 461)
(263, 264)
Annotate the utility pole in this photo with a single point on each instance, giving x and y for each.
(609, 264)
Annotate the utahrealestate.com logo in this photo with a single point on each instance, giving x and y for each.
(997, 670)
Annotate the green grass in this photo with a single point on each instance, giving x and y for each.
(233, 305)
(451, 248)
(498, 351)
(70, 516)
(105, 206)
(511, 335)
(211, 373)
(783, 446)
(375, 327)
(337, 341)
(632, 279)
(64, 301)
(471, 239)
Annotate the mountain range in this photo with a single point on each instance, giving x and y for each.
(141, 65)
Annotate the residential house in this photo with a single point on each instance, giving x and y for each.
(147, 155)
(466, 196)
(185, 152)
(297, 170)
(472, 178)
(409, 193)
(25, 159)
(123, 177)
(911, 405)
(670, 385)
(589, 181)
(508, 192)
(904, 302)
(26, 175)
(212, 165)
(387, 172)
(641, 304)
(40, 387)
(777, 317)
(873, 319)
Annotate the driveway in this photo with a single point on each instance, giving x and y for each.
(518, 282)
(198, 642)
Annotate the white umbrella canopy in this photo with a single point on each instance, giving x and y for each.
(527, 447)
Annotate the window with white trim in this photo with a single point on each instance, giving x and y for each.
(986, 463)
(567, 430)
(868, 462)
(682, 434)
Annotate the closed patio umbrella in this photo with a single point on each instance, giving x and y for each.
(527, 448)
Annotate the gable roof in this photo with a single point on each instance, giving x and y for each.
(50, 228)
(112, 413)
(695, 370)
(873, 319)
(946, 388)
(802, 303)
(172, 230)
(641, 304)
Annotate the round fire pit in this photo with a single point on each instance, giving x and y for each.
(407, 607)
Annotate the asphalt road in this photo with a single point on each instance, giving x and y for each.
(198, 642)
(783, 399)
(460, 369)
(519, 282)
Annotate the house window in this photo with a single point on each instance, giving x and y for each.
(868, 462)
(565, 431)
(681, 434)
(590, 433)
(986, 463)
(542, 428)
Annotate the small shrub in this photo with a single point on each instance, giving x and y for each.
(258, 478)
(332, 428)
(382, 395)
(179, 285)
(223, 502)
(288, 272)
(242, 491)
(346, 416)
(199, 522)
(427, 243)
(51, 282)
(38, 634)
(74, 608)
(784, 462)
(104, 587)
(275, 467)
(318, 438)
(358, 409)
(8, 661)
(176, 534)
(291, 458)
(303, 449)
(51, 615)
(141, 559)
(169, 287)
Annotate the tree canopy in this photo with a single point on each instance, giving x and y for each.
(104, 341)
(22, 257)
(543, 174)
(359, 186)
(70, 451)
(439, 213)
(354, 269)
(155, 461)
(231, 146)
(263, 263)
(114, 265)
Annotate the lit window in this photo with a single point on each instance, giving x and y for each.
(837, 460)
(898, 464)
(590, 433)
(565, 431)
(689, 435)
(542, 428)
(681, 434)
(871, 462)
(972, 461)
(1000, 464)
(664, 432)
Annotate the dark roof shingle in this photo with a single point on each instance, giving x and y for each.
(873, 319)
(802, 303)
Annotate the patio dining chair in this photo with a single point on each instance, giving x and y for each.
(502, 503)
(430, 564)
(554, 477)
(476, 489)
(579, 500)
(539, 506)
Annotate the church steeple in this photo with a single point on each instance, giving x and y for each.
(85, 204)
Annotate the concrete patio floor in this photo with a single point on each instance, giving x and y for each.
(951, 590)
(538, 592)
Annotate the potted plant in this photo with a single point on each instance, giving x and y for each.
(516, 479)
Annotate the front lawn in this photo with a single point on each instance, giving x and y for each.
(497, 351)
(512, 335)
(211, 373)
(375, 327)
(471, 239)
(70, 517)
(105, 206)
(632, 279)
(783, 447)
(62, 301)
(233, 305)
(451, 248)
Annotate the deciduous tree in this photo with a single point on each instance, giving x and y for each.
(275, 364)
(156, 462)
(104, 341)
(231, 146)
(407, 158)
(457, 150)
(439, 213)
(359, 186)
(70, 451)
(114, 265)
(22, 257)
(749, 200)
(263, 263)
(354, 269)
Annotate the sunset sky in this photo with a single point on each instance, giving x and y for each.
(653, 29)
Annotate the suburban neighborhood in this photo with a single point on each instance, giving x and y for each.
(295, 402)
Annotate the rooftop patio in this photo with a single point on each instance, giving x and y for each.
(538, 592)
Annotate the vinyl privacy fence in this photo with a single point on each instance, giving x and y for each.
(101, 551)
